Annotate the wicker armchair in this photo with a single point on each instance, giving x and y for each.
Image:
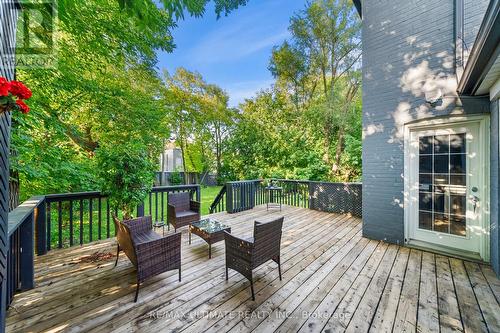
(244, 255)
(182, 210)
(149, 252)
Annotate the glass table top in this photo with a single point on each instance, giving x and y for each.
(209, 225)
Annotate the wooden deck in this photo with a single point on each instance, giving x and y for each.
(333, 280)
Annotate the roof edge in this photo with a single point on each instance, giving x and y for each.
(484, 51)
(357, 4)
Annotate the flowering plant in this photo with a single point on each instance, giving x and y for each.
(12, 96)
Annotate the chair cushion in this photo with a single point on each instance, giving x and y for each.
(186, 213)
(146, 237)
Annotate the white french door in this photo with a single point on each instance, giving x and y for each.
(447, 187)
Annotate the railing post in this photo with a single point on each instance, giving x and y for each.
(253, 191)
(140, 209)
(229, 198)
(41, 228)
(198, 193)
(311, 188)
(27, 265)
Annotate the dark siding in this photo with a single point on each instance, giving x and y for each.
(495, 185)
(8, 18)
(407, 45)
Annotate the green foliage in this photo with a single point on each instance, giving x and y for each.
(105, 88)
(126, 172)
(200, 119)
(176, 177)
(178, 7)
(100, 117)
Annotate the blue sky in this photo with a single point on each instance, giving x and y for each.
(233, 52)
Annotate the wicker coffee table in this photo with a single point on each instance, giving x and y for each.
(210, 230)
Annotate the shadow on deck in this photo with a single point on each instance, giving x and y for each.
(333, 279)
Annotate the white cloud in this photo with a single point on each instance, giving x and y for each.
(234, 41)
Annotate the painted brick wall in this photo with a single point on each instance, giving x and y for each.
(408, 50)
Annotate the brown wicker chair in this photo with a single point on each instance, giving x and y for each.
(244, 255)
(149, 252)
(182, 210)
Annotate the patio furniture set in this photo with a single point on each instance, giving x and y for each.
(152, 254)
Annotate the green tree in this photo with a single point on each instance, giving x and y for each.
(104, 91)
(324, 50)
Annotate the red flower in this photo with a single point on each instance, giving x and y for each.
(22, 106)
(4, 87)
(20, 90)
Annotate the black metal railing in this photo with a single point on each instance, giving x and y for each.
(323, 196)
(79, 218)
(294, 192)
(219, 203)
(240, 195)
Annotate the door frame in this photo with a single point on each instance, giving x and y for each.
(483, 121)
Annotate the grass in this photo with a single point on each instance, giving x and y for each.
(208, 195)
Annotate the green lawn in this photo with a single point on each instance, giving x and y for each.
(208, 195)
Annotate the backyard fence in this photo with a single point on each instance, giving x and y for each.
(323, 196)
(202, 178)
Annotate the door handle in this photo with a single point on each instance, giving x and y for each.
(475, 200)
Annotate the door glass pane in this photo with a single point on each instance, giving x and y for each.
(425, 220)
(441, 163)
(442, 183)
(425, 144)
(457, 163)
(425, 164)
(457, 224)
(457, 143)
(441, 144)
(457, 180)
(458, 203)
(441, 222)
(438, 203)
(425, 200)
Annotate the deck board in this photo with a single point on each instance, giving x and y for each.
(333, 280)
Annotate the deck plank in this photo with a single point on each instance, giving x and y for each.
(362, 316)
(333, 280)
(428, 315)
(388, 305)
(486, 300)
(406, 316)
(449, 313)
(330, 292)
(326, 309)
(470, 312)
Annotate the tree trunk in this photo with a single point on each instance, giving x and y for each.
(218, 154)
(183, 161)
(339, 149)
